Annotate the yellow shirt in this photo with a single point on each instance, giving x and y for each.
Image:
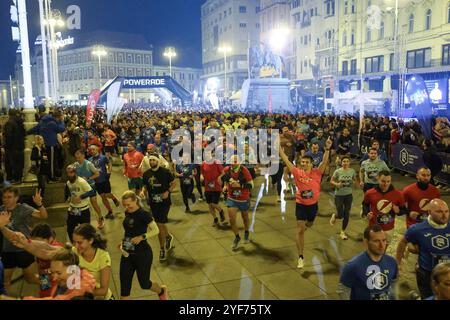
(101, 261)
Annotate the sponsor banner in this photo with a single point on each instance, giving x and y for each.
(410, 159)
(91, 106)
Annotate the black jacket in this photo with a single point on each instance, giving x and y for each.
(14, 134)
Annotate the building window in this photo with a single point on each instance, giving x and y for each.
(375, 64)
(243, 25)
(391, 62)
(258, 9)
(382, 30)
(344, 39)
(353, 6)
(330, 5)
(345, 68)
(346, 7)
(411, 24)
(419, 58)
(353, 38)
(353, 69)
(368, 34)
(242, 9)
(446, 55)
(428, 20)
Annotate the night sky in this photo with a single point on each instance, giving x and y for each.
(162, 22)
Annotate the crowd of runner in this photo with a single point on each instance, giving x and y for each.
(316, 151)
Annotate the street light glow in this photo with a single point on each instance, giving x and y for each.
(170, 52)
(99, 52)
(225, 49)
(279, 38)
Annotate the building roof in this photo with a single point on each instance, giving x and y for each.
(110, 39)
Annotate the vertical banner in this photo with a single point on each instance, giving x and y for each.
(91, 106)
(418, 96)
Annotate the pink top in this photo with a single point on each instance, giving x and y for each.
(308, 185)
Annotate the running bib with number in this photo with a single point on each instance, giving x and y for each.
(372, 174)
(211, 185)
(384, 218)
(437, 259)
(74, 212)
(157, 198)
(307, 194)
(45, 282)
(379, 296)
(237, 193)
(127, 245)
(187, 181)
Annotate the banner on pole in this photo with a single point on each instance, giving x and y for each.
(91, 106)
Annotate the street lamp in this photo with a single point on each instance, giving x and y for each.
(170, 53)
(100, 52)
(54, 20)
(225, 50)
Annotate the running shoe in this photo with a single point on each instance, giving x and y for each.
(236, 242)
(246, 237)
(300, 263)
(193, 198)
(333, 219)
(164, 295)
(162, 255)
(222, 216)
(100, 223)
(110, 215)
(116, 202)
(187, 210)
(201, 199)
(169, 240)
(343, 235)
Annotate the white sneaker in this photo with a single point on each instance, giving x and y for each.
(343, 235)
(278, 199)
(333, 219)
(300, 263)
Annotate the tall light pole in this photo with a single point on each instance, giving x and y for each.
(170, 53)
(44, 50)
(225, 50)
(26, 64)
(54, 20)
(99, 52)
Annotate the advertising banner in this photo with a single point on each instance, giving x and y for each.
(410, 158)
(91, 106)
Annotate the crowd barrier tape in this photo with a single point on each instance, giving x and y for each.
(410, 158)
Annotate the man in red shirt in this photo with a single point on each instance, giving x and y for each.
(238, 183)
(418, 196)
(307, 180)
(382, 204)
(132, 161)
(211, 174)
(92, 139)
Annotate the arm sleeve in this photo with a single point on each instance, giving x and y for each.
(92, 168)
(104, 260)
(34, 130)
(87, 189)
(410, 236)
(34, 154)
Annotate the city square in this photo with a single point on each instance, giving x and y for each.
(225, 150)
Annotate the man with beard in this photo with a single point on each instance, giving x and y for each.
(431, 240)
(159, 183)
(79, 192)
(308, 182)
(372, 274)
(418, 196)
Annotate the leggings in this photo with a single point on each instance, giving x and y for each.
(73, 221)
(423, 278)
(139, 262)
(186, 191)
(278, 177)
(343, 206)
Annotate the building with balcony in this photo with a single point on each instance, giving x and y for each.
(232, 24)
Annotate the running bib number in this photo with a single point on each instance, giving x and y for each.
(74, 212)
(379, 296)
(127, 245)
(187, 181)
(157, 198)
(372, 175)
(45, 282)
(211, 185)
(308, 194)
(384, 218)
(437, 259)
(237, 193)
